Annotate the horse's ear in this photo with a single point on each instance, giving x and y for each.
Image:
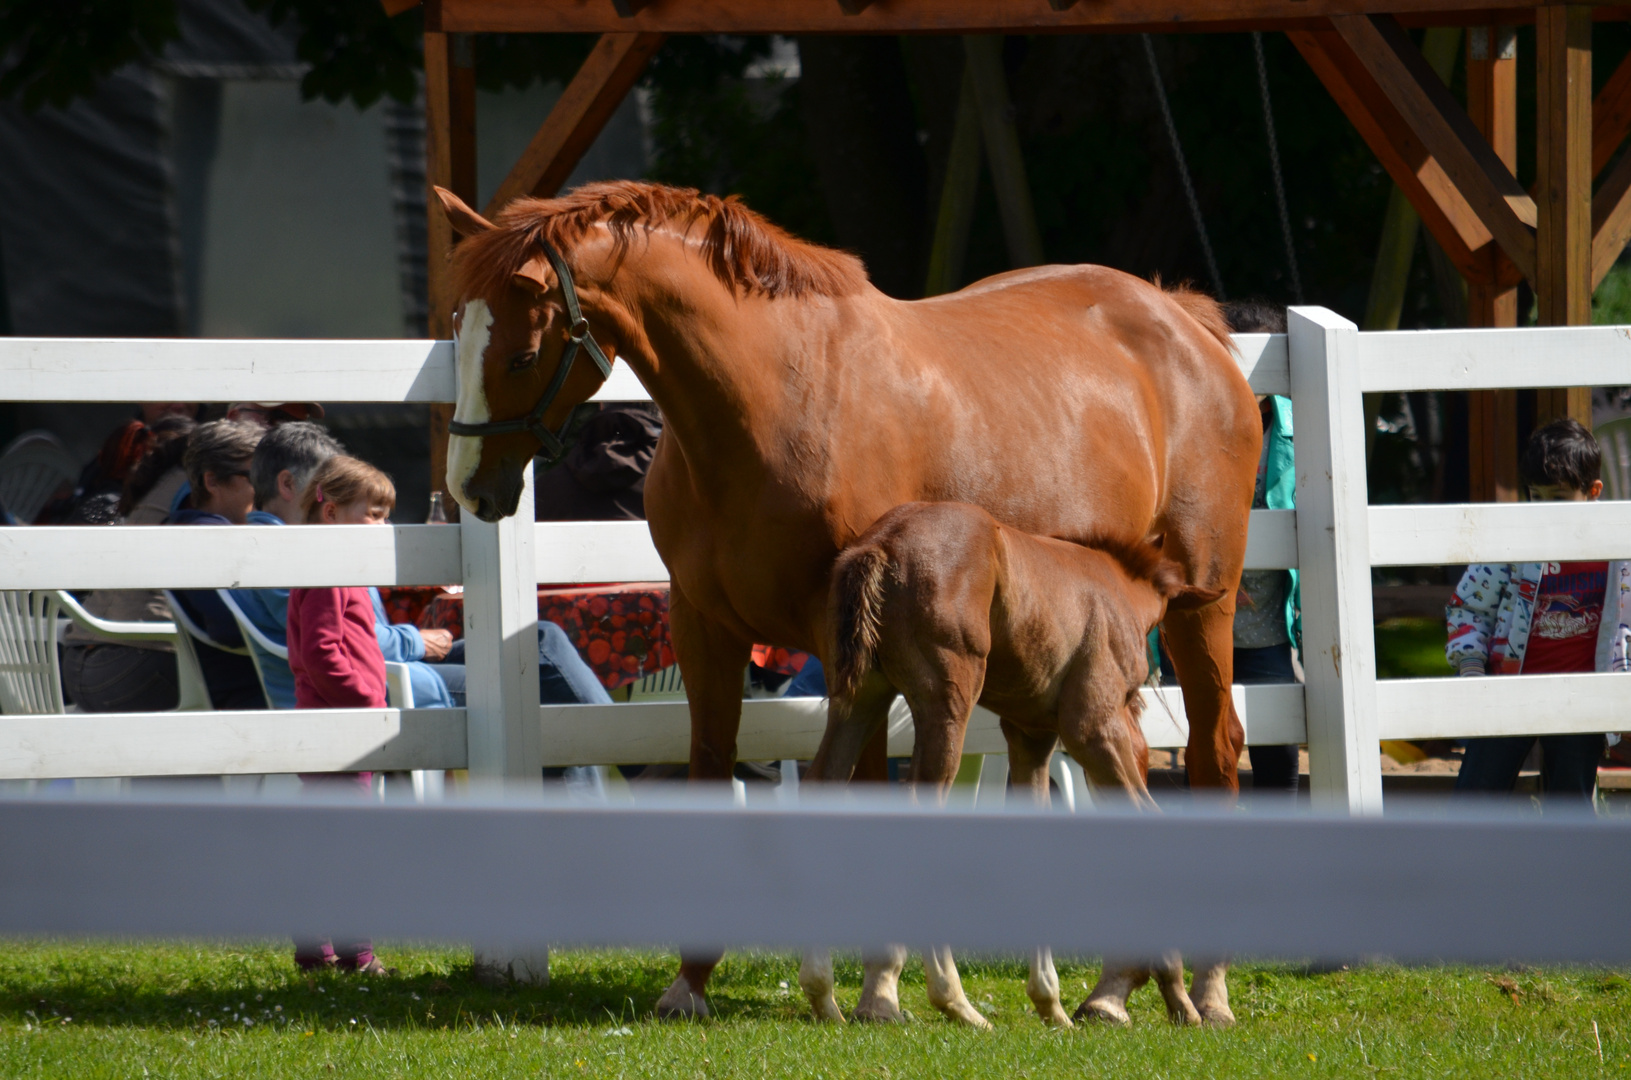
(1169, 582)
(465, 221)
(533, 278)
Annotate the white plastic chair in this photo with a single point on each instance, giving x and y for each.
(31, 629)
(32, 468)
(1615, 439)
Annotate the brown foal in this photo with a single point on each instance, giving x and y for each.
(942, 603)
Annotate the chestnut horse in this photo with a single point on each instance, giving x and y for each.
(801, 404)
(941, 603)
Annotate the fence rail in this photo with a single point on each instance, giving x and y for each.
(1334, 538)
(694, 874)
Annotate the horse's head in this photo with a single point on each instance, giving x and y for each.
(526, 359)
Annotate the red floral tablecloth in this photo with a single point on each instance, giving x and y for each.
(620, 630)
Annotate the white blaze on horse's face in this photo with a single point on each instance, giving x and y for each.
(470, 339)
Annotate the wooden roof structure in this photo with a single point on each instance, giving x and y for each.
(1455, 162)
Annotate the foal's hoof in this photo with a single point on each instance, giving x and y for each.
(1103, 1012)
(680, 1003)
(1217, 1016)
(878, 1011)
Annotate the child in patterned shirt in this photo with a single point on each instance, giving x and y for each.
(1543, 618)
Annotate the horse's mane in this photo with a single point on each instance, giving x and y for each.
(1200, 307)
(1142, 559)
(741, 248)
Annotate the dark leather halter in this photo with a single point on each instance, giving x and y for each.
(555, 443)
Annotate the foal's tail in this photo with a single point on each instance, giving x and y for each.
(857, 601)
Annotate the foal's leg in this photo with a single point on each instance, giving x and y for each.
(940, 719)
(851, 728)
(1028, 756)
(1104, 737)
(711, 660)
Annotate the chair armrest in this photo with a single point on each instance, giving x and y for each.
(398, 685)
(111, 630)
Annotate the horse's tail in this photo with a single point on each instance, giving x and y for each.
(1202, 308)
(857, 618)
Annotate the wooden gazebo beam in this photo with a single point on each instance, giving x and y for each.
(949, 16)
(608, 73)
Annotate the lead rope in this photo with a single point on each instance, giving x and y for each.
(1274, 160)
(1183, 169)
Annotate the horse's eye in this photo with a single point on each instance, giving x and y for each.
(524, 361)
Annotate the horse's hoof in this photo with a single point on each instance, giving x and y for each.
(1104, 1012)
(1054, 1016)
(1217, 1016)
(964, 1013)
(1188, 1016)
(827, 1011)
(878, 1011)
(679, 1003)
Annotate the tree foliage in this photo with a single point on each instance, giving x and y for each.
(53, 51)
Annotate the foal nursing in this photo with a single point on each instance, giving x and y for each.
(943, 604)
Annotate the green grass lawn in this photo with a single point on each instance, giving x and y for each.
(97, 1009)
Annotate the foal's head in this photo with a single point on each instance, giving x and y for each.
(1146, 585)
(512, 321)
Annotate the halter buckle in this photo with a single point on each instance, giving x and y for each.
(580, 329)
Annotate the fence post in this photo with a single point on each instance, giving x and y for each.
(1333, 556)
(501, 678)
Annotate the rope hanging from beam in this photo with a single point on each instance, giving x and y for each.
(1183, 168)
(1274, 161)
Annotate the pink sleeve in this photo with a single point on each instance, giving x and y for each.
(333, 672)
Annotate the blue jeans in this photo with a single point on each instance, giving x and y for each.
(1568, 765)
(563, 677)
(1274, 768)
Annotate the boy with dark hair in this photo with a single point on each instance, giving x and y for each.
(1543, 618)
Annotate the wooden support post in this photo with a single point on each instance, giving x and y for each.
(1563, 151)
(1002, 150)
(450, 162)
(1333, 556)
(588, 102)
(956, 211)
(1492, 102)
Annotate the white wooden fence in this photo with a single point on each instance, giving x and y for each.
(1324, 365)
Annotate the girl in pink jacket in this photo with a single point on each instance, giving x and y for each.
(334, 653)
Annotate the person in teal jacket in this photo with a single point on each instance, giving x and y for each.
(1268, 611)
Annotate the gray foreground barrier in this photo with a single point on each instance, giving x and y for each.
(695, 871)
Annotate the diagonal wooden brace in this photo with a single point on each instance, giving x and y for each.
(1444, 129)
(607, 75)
(1444, 211)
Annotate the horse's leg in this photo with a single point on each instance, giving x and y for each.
(1210, 991)
(816, 980)
(1169, 978)
(1107, 1003)
(945, 988)
(1028, 756)
(711, 662)
(1201, 642)
(851, 728)
(1202, 645)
